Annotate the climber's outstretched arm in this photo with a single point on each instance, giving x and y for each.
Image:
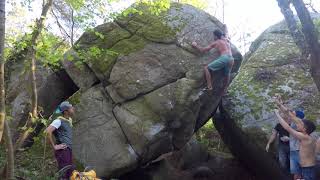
(204, 49)
(287, 111)
(287, 127)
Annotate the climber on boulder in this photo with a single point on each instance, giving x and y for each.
(225, 61)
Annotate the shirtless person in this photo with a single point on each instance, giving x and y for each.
(225, 60)
(307, 151)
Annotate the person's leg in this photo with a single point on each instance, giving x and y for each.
(282, 157)
(295, 168)
(69, 162)
(208, 77)
(215, 65)
(308, 173)
(227, 70)
(63, 159)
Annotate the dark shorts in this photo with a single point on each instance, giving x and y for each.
(64, 158)
(309, 173)
(223, 62)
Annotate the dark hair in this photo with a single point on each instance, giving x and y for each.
(218, 33)
(309, 125)
(202, 172)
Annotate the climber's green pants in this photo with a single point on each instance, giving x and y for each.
(223, 62)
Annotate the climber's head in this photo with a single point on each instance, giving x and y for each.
(217, 34)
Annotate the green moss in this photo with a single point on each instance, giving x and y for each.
(103, 36)
(128, 46)
(75, 98)
(158, 32)
(252, 97)
(150, 26)
(114, 36)
(103, 63)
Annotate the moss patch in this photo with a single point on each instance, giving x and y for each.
(128, 46)
(103, 36)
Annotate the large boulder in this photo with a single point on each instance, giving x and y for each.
(140, 86)
(272, 66)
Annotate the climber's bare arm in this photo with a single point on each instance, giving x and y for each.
(204, 49)
(285, 110)
(287, 127)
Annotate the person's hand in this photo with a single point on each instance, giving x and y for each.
(285, 139)
(267, 147)
(278, 99)
(60, 146)
(194, 44)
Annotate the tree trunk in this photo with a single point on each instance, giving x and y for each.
(2, 85)
(31, 55)
(10, 152)
(311, 36)
(308, 41)
(293, 27)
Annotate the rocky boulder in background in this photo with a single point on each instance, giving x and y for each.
(272, 66)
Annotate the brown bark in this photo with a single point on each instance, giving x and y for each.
(31, 55)
(2, 84)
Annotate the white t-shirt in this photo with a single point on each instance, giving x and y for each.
(56, 123)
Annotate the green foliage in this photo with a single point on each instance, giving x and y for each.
(31, 164)
(210, 138)
(50, 49)
(201, 4)
(154, 7)
(76, 4)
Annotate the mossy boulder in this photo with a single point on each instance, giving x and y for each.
(140, 87)
(272, 66)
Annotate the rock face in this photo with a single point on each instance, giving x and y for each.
(185, 163)
(272, 66)
(18, 96)
(140, 87)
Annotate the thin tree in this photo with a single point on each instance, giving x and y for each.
(4, 127)
(2, 88)
(31, 56)
(308, 43)
(8, 172)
